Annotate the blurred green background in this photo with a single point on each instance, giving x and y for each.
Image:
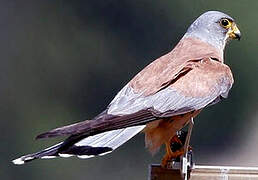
(64, 61)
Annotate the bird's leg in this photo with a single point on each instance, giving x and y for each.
(176, 147)
(170, 155)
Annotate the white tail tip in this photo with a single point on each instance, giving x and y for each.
(18, 161)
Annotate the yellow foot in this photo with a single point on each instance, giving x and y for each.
(167, 159)
(174, 149)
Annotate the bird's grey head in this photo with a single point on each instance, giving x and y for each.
(215, 28)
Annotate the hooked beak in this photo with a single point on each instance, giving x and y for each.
(234, 32)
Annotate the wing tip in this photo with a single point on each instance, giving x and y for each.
(42, 136)
(49, 134)
(65, 130)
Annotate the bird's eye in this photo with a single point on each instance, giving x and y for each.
(225, 23)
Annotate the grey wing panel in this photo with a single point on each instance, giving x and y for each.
(128, 102)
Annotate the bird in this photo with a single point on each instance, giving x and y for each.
(160, 100)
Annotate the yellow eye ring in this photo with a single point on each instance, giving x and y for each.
(225, 23)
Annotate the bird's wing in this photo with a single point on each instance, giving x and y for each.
(196, 85)
(150, 89)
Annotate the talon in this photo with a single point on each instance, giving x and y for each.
(174, 149)
(170, 157)
(165, 161)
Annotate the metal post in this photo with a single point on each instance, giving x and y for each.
(201, 172)
(185, 161)
(187, 170)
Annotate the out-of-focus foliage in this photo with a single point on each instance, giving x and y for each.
(63, 61)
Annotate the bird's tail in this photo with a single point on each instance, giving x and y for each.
(91, 146)
(92, 138)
